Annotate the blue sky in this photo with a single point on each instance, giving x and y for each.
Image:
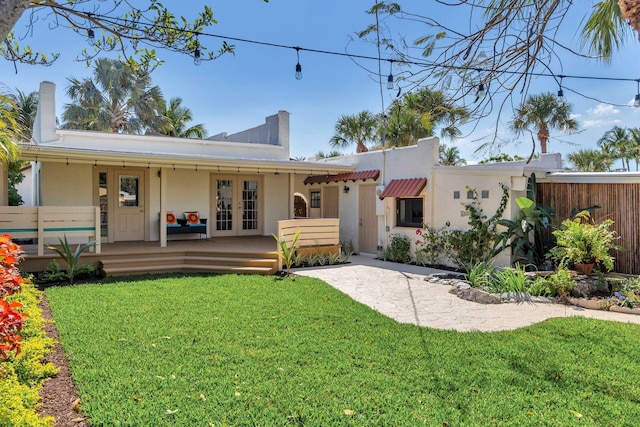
(237, 91)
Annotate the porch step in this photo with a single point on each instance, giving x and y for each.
(196, 261)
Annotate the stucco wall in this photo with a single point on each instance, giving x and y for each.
(277, 197)
(67, 185)
(188, 190)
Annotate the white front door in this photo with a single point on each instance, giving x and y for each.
(129, 205)
(237, 205)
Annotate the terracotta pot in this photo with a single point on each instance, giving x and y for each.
(583, 268)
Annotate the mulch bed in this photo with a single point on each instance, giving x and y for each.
(59, 395)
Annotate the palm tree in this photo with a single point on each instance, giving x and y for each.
(634, 139)
(116, 99)
(591, 161)
(26, 105)
(360, 128)
(605, 30)
(450, 156)
(322, 155)
(177, 118)
(617, 143)
(9, 131)
(539, 114)
(418, 114)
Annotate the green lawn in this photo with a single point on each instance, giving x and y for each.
(252, 350)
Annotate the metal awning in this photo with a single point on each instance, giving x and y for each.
(408, 187)
(350, 176)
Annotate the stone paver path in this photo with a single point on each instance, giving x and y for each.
(399, 291)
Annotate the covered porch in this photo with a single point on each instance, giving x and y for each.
(230, 254)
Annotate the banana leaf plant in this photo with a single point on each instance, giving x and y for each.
(527, 235)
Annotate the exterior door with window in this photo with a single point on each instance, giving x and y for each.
(129, 205)
(367, 220)
(237, 205)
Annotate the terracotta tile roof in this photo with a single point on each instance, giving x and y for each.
(350, 176)
(409, 187)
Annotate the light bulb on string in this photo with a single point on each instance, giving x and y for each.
(560, 91)
(197, 60)
(636, 101)
(298, 66)
(390, 77)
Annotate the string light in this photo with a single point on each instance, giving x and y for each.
(196, 53)
(116, 21)
(636, 101)
(298, 66)
(480, 92)
(91, 35)
(390, 77)
(560, 91)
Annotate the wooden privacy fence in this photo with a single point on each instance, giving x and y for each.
(619, 202)
(51, 222)
(314, 233)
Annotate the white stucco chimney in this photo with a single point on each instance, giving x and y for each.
(44, 125)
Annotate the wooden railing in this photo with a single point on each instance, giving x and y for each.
(314, 232)
(45, 222)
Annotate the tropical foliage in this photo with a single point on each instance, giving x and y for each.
(116, 99)
(177, 119)
(591, 161)
(9, 130)
(361, 129)
(541, 113)
(581, 240)
(419, 114)
(450, 156)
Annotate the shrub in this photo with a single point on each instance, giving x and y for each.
(476, 244)
(510, 279)
(70, 256)
(22, 370)
(399, 249)
(287, 252)
(580, 240)
(53, 273)
(481, 275)
(433, 246)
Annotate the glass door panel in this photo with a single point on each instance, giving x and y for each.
(224, 205)
(250, 205)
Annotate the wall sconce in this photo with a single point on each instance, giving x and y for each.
(345, 190)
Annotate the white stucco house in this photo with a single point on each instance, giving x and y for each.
(244, 183)
(412, 189)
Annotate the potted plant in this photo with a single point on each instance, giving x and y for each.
(581, 241)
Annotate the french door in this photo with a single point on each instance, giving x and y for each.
(237, 205)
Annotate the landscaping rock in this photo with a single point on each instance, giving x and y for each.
(475, 295)
(627, 310)
(592, 304)
(585, 287)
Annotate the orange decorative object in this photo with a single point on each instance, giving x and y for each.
(193, 218)
(171, 218)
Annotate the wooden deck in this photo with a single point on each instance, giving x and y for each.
(251, 255)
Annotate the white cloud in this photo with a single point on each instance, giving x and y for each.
(603, 110)
(575, 116)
